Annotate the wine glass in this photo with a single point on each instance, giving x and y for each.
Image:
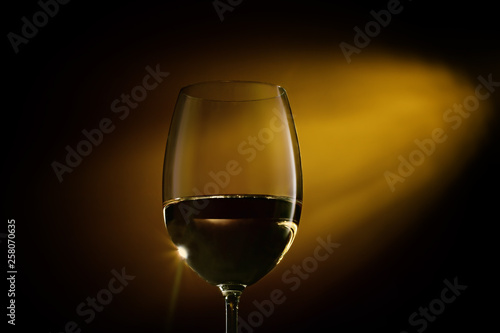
(232, 183)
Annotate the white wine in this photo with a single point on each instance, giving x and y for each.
(234, 239)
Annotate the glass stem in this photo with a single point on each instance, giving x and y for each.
(231, 295)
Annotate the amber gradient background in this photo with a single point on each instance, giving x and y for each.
(353, 122)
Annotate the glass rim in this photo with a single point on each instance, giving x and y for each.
(280, 91)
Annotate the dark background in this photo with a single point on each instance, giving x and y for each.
(64, 257)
